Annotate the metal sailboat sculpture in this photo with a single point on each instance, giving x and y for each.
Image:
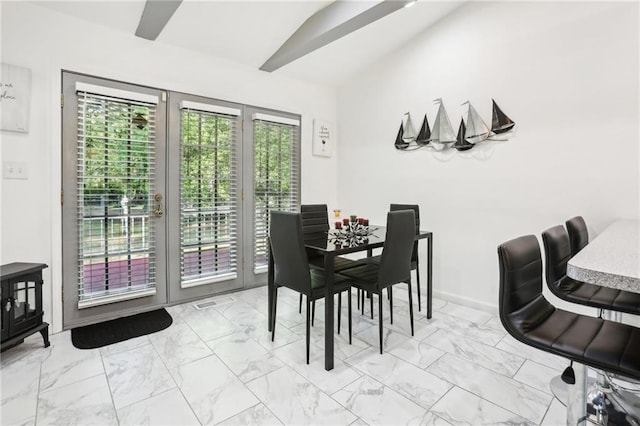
(500, 123)
(400, 143)
(477, 130)
(442, 135)
(462, 144)
(409, 132)
(425, 133)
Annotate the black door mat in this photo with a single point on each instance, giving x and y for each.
(120, 329)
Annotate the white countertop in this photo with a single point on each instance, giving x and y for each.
(612, 259)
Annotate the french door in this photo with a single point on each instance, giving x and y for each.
(166, 195)
(113, 199)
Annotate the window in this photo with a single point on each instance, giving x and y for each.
(208, 194)
(276, 148)
(115, 169)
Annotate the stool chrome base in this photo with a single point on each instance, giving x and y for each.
(606, 401)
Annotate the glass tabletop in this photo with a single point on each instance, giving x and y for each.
(328, 242)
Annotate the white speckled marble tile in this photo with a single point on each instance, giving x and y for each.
(377, 404)
(178, 345)
(294, 400)
(359, 422)
(390, 338)
(294, 355)
(212, 390)
(209, 324)
(124, 346)
(507, 393)
(258, 415)
(546, 359)
(63, 364)
(341, 346)
(487, 356)
(470, 330)
(417, 353)
(494, 322)
(418, 385)
(26, 422)
(460, 407)
(19, 381)
(242, 355)
(259, 332)
(167, 409)
(536, 375)
(556, 414)
(242, 314)
(85, 402)
(30, 351)
(136, 374)
(466, 313)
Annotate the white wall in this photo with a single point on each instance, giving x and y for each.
(47, 42)
(566, 73)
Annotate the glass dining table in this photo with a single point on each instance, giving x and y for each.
(327, 245)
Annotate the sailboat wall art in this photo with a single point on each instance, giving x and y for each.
(442, 136)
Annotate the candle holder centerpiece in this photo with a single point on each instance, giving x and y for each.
(351, 232)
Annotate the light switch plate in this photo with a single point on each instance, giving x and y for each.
(14, 170)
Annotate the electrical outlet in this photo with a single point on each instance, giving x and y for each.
(14, 170)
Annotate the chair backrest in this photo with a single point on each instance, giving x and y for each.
(557, 253)
(578, 234)
(416, 210)
(291, 266)
(315, 218)
(395, 263)
(521, 303)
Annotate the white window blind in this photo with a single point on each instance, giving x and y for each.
(276, 177)
(115, 177)
(208, 199)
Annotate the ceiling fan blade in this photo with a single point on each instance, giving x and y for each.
(155, 16)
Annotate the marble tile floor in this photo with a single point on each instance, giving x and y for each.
(219, 366)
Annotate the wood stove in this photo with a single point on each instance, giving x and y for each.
(21, 303)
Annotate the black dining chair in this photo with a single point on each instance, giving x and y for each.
(528, 317)
(415, 266)
(578, 234)
(291, 268)
(315, 224)
(395, 264)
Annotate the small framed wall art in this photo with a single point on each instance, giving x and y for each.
(323, 138)
(15, 98)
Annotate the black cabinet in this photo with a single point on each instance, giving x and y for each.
(21, 303)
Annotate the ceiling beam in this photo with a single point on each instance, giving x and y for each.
(329, 24)
(155, 16)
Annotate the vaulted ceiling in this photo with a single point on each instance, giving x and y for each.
(250, 32)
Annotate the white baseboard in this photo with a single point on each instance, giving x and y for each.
(465, 301)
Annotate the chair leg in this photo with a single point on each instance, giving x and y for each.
(358, 300)
(300, 304)
(371, 300)
(349, 304)
(362, 302)
(418, 282)
(390, 294)
(339, 310)
(379, 318)
(313, 312)
(275, 302)
(410, 307)
(308, 327)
